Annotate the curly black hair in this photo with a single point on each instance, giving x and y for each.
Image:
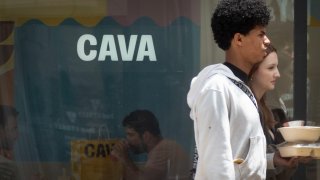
(237, 16)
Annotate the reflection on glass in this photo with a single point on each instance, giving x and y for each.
(165, 158)
(8, 137)
(281, 35)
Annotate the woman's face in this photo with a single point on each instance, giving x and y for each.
(267, 73)
(135, 141)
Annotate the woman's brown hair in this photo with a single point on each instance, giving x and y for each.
(265, 112)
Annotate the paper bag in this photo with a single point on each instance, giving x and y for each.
(90, 160)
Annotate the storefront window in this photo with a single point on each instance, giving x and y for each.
(75, 70)
(313, 63)
(70, 72)
(313, 87)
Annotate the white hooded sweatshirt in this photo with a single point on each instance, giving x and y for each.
(227, 127)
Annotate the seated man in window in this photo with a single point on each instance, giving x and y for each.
(166, 159)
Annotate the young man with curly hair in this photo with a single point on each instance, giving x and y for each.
(228, 133)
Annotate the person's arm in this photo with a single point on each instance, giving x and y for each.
(270, 163)
(284, 162)
(132, 171)
(214, 146)
(275, 160)
(120, 153)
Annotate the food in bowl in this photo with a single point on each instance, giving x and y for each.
(300, 133)
(296, 123)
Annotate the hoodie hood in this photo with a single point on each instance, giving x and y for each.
(200, 80)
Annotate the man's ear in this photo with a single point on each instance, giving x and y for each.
(238, 39)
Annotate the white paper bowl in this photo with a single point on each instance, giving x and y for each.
(290, 151)
(316, 153)
(299, 149)
(300, 133)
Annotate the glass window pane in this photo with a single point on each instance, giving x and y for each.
(75, 70)
(313, 87)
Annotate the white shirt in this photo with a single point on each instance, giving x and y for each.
(227, 126)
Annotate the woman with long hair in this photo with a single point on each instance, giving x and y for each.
(262, 78)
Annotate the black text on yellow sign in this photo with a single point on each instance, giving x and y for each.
(101, 150)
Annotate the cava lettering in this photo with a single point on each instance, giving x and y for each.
(111, 46)
(98, 150)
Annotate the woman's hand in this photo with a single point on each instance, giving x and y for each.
(285, 162)
(304, 160)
